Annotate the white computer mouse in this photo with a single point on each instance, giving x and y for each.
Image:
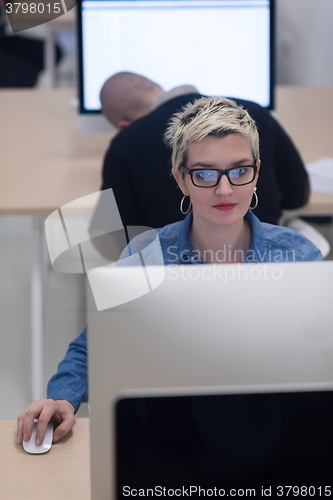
(31, 447)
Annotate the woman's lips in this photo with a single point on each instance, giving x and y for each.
(225, 206)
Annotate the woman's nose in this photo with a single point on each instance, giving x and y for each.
(224, 187)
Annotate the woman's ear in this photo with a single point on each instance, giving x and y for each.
(258, 166)
(181, 183)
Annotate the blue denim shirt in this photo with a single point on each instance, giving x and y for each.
(269, 243)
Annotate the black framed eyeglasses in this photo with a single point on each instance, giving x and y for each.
(239, 175)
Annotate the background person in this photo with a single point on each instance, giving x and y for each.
(215, 161)
(137, 163)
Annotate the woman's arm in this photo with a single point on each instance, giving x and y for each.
(66, 390)
(71, 380)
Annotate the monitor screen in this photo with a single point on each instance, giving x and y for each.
(246, 444)
(222, 47)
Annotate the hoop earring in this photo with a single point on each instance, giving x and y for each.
(181, 206)
(256, 199)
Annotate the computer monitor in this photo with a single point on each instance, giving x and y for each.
(204, 330)
(223, 47)
(249, 441)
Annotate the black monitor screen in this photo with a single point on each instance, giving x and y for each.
(265, 443)
(222, 47)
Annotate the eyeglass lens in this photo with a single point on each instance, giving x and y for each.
(209, 178)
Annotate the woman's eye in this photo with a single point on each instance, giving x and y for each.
(238, 172)
(206, 175)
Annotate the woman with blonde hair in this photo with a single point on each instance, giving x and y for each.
(216, 163)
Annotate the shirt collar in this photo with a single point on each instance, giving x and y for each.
(256, 252)
(171, 94)
(185, 251)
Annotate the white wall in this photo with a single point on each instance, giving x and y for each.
(304, 42)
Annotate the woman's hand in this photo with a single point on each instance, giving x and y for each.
(61, 412)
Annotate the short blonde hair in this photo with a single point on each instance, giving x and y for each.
(216, 116)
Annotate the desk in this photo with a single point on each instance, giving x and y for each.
(46, 162)
(62, 473)
(306, 114)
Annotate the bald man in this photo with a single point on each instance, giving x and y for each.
(137, 164)
(126, 97)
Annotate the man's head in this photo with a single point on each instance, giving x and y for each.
(126, 97)
(208, 116)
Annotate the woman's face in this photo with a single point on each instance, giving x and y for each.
(224, 204)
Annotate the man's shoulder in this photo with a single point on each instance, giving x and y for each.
(252, 107)
(265, 122)
(154, 123)
(176, 103)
